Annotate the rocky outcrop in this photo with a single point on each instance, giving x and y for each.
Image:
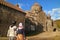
(38, 20)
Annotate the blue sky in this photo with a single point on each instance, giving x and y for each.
(51, 7)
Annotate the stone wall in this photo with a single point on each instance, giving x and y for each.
(7, 15)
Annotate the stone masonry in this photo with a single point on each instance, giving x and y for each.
(9, 13)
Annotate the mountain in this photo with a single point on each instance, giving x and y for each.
(58, 23)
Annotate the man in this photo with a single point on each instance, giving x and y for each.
(12, 31)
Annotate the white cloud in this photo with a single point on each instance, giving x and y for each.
(55, 13)
(58, 18)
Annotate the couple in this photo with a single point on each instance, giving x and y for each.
(16, 33)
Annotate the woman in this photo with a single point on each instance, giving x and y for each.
(20, 32)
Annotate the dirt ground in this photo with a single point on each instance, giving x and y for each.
(41, 36)
(46, 36)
